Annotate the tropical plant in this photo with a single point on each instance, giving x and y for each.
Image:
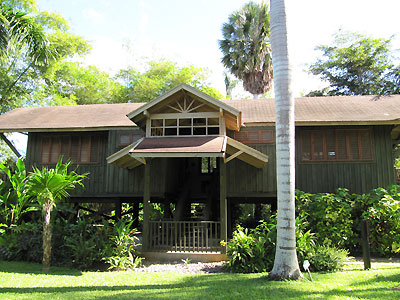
(246, 48)
(51, 186)
(123, 255)
(14, 201)
(286, 265)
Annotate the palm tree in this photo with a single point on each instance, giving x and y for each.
(19, 31)
(50, 186)
(246, 49)
(286, 265)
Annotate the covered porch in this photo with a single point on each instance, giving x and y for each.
(200, 221)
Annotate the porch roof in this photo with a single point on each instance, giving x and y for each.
(218, 146)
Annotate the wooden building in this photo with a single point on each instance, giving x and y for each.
(203, 155)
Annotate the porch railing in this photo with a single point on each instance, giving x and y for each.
(185, 236)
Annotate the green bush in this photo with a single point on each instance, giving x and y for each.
(251, 251)
(327, 258)
(329, 216)
(381, 208)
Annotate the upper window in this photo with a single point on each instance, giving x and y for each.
(336, 145)
(254, 136)
(80, 149)
(126, 139)
(184, 127)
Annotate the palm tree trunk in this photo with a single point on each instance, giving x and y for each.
(47, 235)
(286, 265)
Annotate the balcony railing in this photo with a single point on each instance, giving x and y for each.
(185, 236)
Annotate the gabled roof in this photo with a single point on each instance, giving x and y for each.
(138, 115)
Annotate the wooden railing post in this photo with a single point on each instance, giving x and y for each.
(146, 207)
(223, 203)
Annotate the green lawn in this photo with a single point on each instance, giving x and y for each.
(27, 281)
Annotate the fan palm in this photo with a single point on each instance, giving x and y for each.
(50, 186)
(246, 47)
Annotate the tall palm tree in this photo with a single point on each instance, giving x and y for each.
(286, 265)
(50, 186)
(246, 49)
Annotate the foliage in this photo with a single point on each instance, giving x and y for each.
(14, 201)
(381, 208)
(22, 242)
(357, 65)
(84, 243)
(246, 48)
(327, 215)
(43, 39)
(326, 258)
(252, 251)
(160, 77)
(72, 83)
(123, 255)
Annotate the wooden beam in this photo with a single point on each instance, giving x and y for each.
(223, 203)
(146, 207)
(233, 156)
(8, 142)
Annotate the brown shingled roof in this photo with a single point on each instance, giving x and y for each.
(74, 117)
(309, 111)
(317, 110)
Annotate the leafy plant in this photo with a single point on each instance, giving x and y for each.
(326, 258)
(14, 200)
(328, 215)
(381, 208)
(123, 255)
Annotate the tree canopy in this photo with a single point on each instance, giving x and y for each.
(357, 65)
(246, 47)
(32, 41)
(159, 77)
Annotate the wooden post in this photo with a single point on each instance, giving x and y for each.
(365, 244)
(118, 209)
(223, 203)
(146, 207)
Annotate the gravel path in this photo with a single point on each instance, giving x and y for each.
(215, 267)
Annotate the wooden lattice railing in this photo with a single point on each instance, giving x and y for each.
(185, 236)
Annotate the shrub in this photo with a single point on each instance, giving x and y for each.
(381, 208)
(326, 258)
(329, 216)
(252, 251)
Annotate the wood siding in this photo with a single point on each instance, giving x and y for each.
(357, 176)
(243, 180)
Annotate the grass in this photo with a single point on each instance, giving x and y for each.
(26, 281)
